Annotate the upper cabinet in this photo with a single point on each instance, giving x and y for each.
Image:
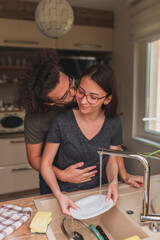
(92, 29)
(87, 38)
(22, 33)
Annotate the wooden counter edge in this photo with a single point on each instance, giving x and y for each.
(23, 232)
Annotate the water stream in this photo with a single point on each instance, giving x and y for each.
(100, 174)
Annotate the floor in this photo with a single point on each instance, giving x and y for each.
(12, 196)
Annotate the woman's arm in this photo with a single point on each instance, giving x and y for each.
(50, 178)
(135, 181)
(112, 176)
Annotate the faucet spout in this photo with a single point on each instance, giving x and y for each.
(145, 205)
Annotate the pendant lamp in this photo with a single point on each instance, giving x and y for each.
(54, 18)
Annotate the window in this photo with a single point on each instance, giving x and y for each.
(147, 91)
(153, 88)
(145, 35)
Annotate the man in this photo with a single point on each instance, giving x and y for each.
(43, 92)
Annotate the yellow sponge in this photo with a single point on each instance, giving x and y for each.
(40, 222)
(133, 238)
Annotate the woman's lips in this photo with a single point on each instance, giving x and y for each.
(82, 107)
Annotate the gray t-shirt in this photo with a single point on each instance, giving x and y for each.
(75, 147)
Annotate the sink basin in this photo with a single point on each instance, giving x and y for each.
(115, 223)
(131, 200)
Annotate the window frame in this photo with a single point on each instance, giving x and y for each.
(140, 81)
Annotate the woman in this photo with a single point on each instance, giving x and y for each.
(78, 133)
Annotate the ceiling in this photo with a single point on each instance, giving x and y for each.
(111, 5)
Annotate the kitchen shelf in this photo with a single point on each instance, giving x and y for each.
(13, 67)
(8, 84)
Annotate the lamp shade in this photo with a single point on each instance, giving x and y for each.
(54, 18)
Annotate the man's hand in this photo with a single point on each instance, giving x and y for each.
(135, 181)
(73, 174)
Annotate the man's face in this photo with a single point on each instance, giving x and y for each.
(64, 92)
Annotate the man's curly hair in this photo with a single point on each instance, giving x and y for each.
(41, 76)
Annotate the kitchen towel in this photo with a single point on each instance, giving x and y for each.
(12, 217)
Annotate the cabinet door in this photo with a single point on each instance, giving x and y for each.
(21, 33)
(12, 151)
(87, 38)
(18, 178)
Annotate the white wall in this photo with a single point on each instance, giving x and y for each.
(123, 67)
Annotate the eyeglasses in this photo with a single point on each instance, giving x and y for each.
(69, 93)
(91, 98)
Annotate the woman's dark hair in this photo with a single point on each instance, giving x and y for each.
(103, 75)
(41, 76)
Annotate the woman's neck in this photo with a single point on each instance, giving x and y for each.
(90, 117)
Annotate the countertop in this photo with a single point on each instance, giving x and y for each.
(11, 135)
(23, 233)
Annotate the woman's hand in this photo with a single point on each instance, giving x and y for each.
(113, 192)
(135, 181)
(65, 203)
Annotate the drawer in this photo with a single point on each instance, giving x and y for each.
(18, 178)
(12, 151)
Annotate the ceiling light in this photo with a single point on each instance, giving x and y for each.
(54, 18)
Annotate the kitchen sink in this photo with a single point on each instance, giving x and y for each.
(116, 223)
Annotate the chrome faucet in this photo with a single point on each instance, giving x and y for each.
(145, 216)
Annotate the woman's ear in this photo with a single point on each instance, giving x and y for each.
(108, 99)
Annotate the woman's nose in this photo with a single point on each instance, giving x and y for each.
(84, 99)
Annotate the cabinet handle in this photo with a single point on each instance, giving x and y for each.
(17, 141)
(87, 45)
(21, 42)
(21, 169)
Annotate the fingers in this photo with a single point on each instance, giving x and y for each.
(77, 165)
(88, 169)
(65, 204)
(74, 206)
(136, 184)
(67, 210)
(114, 197)
(135, 181)
(108, 194)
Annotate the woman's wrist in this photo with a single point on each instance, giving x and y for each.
(123, 175)
(57, 194)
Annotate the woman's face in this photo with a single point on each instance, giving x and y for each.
(90, 96)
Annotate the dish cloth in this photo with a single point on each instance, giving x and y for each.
(155, 203)
(12, 217)
(40, 222)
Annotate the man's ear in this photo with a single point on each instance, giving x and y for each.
(108, 99)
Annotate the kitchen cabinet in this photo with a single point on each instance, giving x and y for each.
(15, 172)
(87, 38)
(22, 33)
